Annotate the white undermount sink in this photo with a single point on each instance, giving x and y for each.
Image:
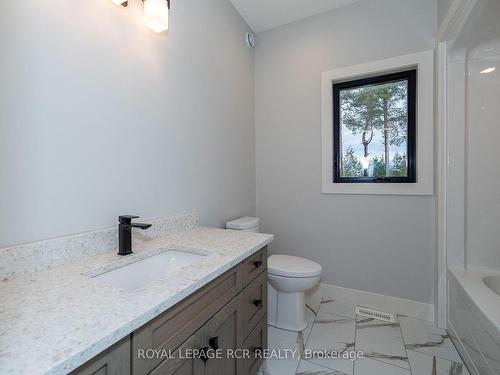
(136, 275)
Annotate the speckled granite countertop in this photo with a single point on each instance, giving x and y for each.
(53, 321)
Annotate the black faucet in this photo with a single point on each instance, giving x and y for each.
(125, 233)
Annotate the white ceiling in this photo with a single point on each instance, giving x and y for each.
(263, 15)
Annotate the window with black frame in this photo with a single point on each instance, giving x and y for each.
(375, 129)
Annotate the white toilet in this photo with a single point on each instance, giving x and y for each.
(245, 224)
(288, 278)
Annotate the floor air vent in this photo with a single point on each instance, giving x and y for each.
(380, 315)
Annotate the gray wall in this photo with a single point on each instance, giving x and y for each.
(99, 116)
(382, 244)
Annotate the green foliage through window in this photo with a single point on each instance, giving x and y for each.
(375, 129)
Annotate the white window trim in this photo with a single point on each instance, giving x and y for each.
(424, 62)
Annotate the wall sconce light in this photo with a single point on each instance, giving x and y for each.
(156, 14)
(120, 2)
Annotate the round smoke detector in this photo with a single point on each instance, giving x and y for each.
(250, 40)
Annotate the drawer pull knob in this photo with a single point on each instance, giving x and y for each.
(257, 302)
(257, 263)
(214, 342)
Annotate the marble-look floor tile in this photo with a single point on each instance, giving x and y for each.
(310, 315)
(343, 366)
(367, 366)
(332, 306)
(309, 368)
(381, 341)
(423, 364)
(425, 337)
(279, 339)
(335, 327)
(331, 333)
(282, 339)
(279, 367)
(313, 300)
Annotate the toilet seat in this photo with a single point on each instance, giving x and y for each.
(292, 266)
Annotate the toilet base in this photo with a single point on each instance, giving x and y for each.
(286, 310)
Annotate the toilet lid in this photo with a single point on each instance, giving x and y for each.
(242, 223)
(290, 266)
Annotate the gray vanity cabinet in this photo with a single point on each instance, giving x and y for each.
(173, 327)
(228, 314)
(225, 333)
(253, 266)
(114, 361)
(255, 343)
(184, 365)
(254, 298)
(222, 332)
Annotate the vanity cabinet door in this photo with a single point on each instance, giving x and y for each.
(114, 361)
(182, 363)
(255, 343)
(224, 332)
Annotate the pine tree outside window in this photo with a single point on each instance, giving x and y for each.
(375, 129)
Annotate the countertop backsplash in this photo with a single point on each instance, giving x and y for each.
(41, 255)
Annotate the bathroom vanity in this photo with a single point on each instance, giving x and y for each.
(72, 305)
(227, 314)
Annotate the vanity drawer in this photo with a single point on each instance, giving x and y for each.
(169, 330)
(179, 364)
(115, 360)
(254, 265)
(254, 298)
(256, 341)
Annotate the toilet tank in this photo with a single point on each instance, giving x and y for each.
(244, 224)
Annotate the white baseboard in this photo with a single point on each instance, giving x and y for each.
(414, 309)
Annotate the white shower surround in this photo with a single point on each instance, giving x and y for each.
(468, 203)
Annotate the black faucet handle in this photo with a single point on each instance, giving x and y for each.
(126, 219)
